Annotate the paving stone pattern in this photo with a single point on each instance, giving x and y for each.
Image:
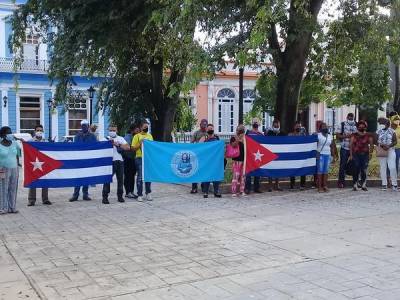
(288, 245)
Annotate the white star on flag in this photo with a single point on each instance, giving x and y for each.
(37, 164)
(258, 155)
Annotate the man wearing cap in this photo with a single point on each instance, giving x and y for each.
(199, 134)
(83, 136)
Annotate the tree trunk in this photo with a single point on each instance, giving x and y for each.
(291, 63)
(396, 81)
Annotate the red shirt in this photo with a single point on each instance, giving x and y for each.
(361, 143)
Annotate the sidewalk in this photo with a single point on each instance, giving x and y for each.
(288, 245)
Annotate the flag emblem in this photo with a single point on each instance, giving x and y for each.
(184, 163)
(257, 155)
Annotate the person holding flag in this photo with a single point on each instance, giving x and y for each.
(38, 137)
(237, 142)
(253, 132)
(137, 142)
(211, 137)
(199, 134)
(84, 136)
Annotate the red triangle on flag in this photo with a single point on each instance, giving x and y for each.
(37, 164)
(257, 155)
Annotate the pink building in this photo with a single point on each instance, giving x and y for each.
(217, 100)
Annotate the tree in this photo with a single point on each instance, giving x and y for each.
(143, 49)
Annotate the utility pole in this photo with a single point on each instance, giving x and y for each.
(241, 72)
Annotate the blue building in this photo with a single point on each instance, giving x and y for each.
(27, 96)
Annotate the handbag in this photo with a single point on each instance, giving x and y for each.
(232, 152)
(380, 152)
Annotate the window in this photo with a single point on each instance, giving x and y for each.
(77, 111)
(29, 114)
(248, 100)
(226, 99)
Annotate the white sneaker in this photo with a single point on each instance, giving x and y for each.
(384, 188)
(140, 199)
(234, 195)
(148, 197)
(395, 188)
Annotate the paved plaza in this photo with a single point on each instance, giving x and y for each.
(303, 245)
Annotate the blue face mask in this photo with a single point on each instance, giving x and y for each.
(10, 137)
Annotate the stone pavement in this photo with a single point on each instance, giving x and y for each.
(303, 245)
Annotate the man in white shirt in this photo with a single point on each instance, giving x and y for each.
(119, 144)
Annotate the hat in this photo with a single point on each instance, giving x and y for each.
(84, 122)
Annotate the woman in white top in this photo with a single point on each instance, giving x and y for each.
(326, 149)
(386, 154)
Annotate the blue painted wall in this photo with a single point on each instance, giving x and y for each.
(8, 31)
(47, 96)
(12, 110)
(61, 122)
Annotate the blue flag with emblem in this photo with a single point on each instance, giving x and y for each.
(183, 163)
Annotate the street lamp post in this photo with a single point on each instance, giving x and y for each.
(91, 91)
(241, 71)
(50, 104)
(333, 121)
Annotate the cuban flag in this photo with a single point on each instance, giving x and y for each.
(56, 165)
(280, 156)
(183, 163)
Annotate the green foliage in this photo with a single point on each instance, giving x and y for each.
(185, 120)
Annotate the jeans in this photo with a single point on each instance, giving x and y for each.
(129, 175)
(397, 159)
(8, 190)
(118, 170)
(206, 187)
(385, 162)
(344, 157)
(32, 195)
(302, 181)
(85, 191)
(324, 163)
(139, 179)
(361, 161)
(256, 183)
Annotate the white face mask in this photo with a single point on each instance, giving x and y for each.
(113, 134)
(381, 126)
(276, 129)
(39, 134)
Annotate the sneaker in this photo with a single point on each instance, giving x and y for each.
(355, 187)
(46, 202)
(217, 195)
(31, 203)
(140, 198)
(87, 198)
(105, 201)
(2, 212)
(395, 188)
(73, 199)
(244, 194)
(234, 195)
(121, 200)
(365, 189)
(129, 195)
(148, 197)
(13, 211)
(384, 188)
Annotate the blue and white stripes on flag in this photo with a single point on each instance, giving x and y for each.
(81, 164)
(296, 156)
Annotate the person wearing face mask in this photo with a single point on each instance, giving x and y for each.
(9, 154)
(361, 148)
(298, 130)
(129, 163)
(386, 154)
(344, 133)
(38, 137)
(275, 130)
(201, 133)
(83, 136)
(238, 182)
(119, 145)
(211, 137)
(395, 121)
(326, 149)
(254, 131)
(136, 146)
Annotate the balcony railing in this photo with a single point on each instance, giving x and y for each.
(9, 64)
